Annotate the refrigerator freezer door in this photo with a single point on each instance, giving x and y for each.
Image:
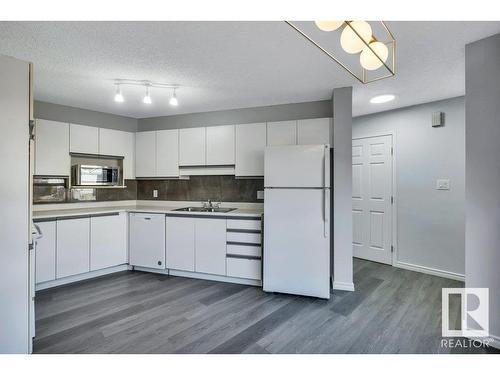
(296, 249)
(297, 166)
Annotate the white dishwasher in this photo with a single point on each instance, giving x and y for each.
(147, 240)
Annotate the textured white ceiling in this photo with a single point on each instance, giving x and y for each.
(225, 65)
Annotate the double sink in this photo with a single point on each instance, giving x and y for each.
(205, 209)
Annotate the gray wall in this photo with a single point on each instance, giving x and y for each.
(482, 244)
(283, 112)
(56, 112)
(430, 223)
(342, 189)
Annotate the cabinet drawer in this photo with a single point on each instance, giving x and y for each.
(243, 224)
(253, 251)
(244, 268)
(243, 237)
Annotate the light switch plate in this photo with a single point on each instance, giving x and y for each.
(260, 194)
(443, 184)
(155, 193)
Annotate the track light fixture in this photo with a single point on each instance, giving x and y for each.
(173, 100)
(147, 97)
(147, 85)
(118, 94)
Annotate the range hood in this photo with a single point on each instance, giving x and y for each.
(206, 170)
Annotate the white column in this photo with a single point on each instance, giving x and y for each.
(482, 172)
(342, 189)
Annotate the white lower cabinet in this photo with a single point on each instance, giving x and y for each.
(147, 240)
(244, 268)
(108, 241)
(210, 246)
(45, 252)
(180, 243)
(73, 247)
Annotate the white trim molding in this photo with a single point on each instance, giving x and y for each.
(340, 285)
(80, 277)
(430, 271)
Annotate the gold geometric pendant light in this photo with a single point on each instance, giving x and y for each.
(367, 51)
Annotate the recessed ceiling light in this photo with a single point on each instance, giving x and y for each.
(382, 99)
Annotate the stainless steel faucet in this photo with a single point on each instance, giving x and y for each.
(210, 204)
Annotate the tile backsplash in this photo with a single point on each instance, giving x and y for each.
(201, 188)
(197, 188)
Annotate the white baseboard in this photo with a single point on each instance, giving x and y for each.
(202, 276)
(429, 271)
(340, 285)
(80, 277)
(205, 276)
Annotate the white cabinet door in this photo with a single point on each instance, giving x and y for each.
(180, 233)
(83, 139)
(167, 153)
(52, 148)
(314, 131)
(250, 145)
(108, 241)
(72, 247)
(210, 245)
(192, 146)
(45, 253)
(119, 143)
(220, 145)
(281, 133)
(145, 154)
(147, 240)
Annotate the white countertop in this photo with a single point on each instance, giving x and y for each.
(141, 206)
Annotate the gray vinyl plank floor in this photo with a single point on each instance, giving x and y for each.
(391, 311)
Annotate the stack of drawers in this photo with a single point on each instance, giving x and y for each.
(244, 248)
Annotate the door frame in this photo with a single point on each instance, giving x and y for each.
(394, 255)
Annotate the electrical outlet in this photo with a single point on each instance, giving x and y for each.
(155, 193)
(443, 184)
(260, 194)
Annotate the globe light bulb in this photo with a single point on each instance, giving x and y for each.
(352, 43)
(369, 60)
(328, 25)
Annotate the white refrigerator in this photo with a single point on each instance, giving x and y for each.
(296, 220)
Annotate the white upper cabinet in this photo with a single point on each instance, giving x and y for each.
(52, 148)
(282, 133)
(250, 146)
(119, 143)
(83, 139)
(314, 131)
(192, 146)
(167, 153)
(220, 145)
(145, 154)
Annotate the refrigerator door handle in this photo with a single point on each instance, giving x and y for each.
(326, 211)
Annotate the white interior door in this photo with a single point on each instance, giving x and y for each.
(371, 198)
